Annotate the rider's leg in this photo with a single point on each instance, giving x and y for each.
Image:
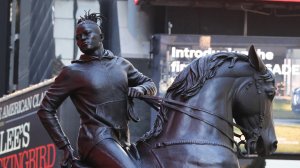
(108, 153)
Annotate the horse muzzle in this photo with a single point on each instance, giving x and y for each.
(264, 148)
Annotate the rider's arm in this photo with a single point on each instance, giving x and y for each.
(47, 113)
(137, 79)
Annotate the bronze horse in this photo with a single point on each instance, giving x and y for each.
(198, 132)
(194, 127)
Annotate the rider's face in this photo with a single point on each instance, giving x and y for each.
(88, 37)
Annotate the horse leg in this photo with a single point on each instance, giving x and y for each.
(108, 153)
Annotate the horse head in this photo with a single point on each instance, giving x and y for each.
(196, 116)
(252, 108)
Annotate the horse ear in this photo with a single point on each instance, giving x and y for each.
(255, 60)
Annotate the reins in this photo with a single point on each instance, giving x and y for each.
(164, 101)
(156, 102)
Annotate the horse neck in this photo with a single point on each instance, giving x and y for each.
(215, 97)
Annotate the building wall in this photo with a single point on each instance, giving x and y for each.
(4, 49)
(110, 26)
(37, 48)
(66, 14)
(42, 46)
(64, 22)
(270, 25)
(223, 21)
(135, 29)
(25, 18)
(188, 20)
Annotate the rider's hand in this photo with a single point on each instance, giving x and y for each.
(136, 91)
(68, 156)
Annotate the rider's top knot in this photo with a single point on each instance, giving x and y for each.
(90, 18)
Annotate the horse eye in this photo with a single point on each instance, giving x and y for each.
(271, 93)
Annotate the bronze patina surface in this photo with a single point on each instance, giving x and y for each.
(194, 125)
(99, 84)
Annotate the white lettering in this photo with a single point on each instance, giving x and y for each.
(21, 106)
(284, 69)
(295, 69)
(190, 53)
(26, 137)
(176, 66)
(35, 101)
(198, 53)
(269, 55)
(14, 138)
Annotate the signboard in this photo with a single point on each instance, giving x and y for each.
(23, 140)
(280, 54)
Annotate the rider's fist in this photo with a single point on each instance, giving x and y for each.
(136, 91)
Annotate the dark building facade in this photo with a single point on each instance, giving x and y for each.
(28, 52)
(220, 17)
(4, 43)
(36, 42)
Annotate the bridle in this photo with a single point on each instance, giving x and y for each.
(250, 144)
(254, 134)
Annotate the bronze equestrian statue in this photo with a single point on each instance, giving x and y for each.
(99, 84)
(194, 125)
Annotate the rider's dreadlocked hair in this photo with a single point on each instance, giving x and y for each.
(95, 18)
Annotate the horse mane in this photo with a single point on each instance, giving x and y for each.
(190, 80)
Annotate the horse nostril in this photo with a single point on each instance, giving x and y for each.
(274, 145)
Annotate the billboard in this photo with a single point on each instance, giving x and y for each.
(280, 54)
(23, 140)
